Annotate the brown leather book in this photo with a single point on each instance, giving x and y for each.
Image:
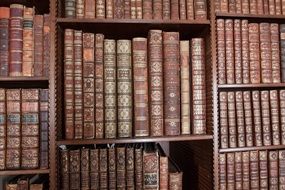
(253, 6)
(85, 168)
(260, 7)
(13, 151)
(121, 167)
(147, 9)
(70, 8)
(139, 11)
(171, 83)
(11, 187)
(90, 9)
(245, 6)
(232, 120)
(231, 171)
(240, 119)
(254, 53)
(16, 40)
(217, 6)
(230, 64)
(232, 6)
(275, 52)
(23, 184)
(78, 91)
(190, 9)
(278, 10)
(222, 171)
(156, 82)
(112, 181)
(257, 118)
(150, 169)
(245, 51)
(127, 9)
(69, 83)
(175, 181)
(88, 86)
(282, 115)
(133, 9)
(157, 9)
(263, 168)
(140, 72)
(283, 7)
(74, 169)
(254, 169)
(274, 110)
(282, 50)
(64, 172)
(174, 7)
(221, 48)
(166, 9)
(3, 129)
(79, 9)
(36, 186)
(224, 134)
(266, 7)
(245, 170)
(138, 167)
(265, 115)
(4, 40)
(272, 7)
(238, 170)
(248, 117)
(238, 6)
(163, 172)
(273, 169)
(39, 44)
(47, 44)
(237, 51)
(224, 6)
(103, 168)
(281, 164)
(119, 9)
(94, 169)
(100, 9)
(130, 167)
(109, 9)
(99, 85)
(200, 8)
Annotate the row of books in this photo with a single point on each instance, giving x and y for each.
(24, 128)
(27, 182)
(256, 7)
(133, 166)
(252, 118)
(137, 9)
(252, 170)
(137, 87)
(249, 52)
(24, 42)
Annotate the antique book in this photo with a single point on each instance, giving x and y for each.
(157, 9)
(275, 52)
(238, 6)
(103, 168)
(245, 51)
(90, 9)
(147, 9)
(13, 151)
(263, 169)
(273, 170)
(110, 103)
(272, 7)
(79, 9)
(282, 116)
(278, 7)
(23, 184)
(200, 8)
(94, 169)
(124, 88)
(28, 42)
(11, 187)
(240, 119)
(254, 53)
(245, 170)
(222, 171)
(127, 9)
(221, 58)
(166, 9)
(254, 169)
(257, 118)
(138, 167)
(283, 7)
(248, 118)
(139, 11)
(150, 169)
(121, 167)
(224, 6)
(185, 86)
(16, 40)
(175, 180)
(119, 9)
(174, 9)
(232, 6)
(39, 45)
(109, 9)
(238, 170)
(259, 6)
(282, 50)
(198, 85)
(266, 7)
(171, 83)
(85, 169)
(281, 164)
(130, 167)
(224, 134)
(217, 6)
(88, 85)
(274, 110)
(99, 85)
(156, 82)
(4, 40)
(253, 6)
(78, 92)
(231, 171)
(69, 83)
(74, 169)
(100, 9)
(237, 51)
(265, 115)
(229, 40)
(140, 79)
(190, 9)
(232, 120)
(64, 169)
(245, 6)
(47, 45)
(3, 128)
(112, 176)
(133, 9)
(163, 172)
(36, 186)
(70, 8)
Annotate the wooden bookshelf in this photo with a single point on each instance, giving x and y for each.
(273, 147)
(264, 18)
(250, 86)
(24, 79)
(24, 172)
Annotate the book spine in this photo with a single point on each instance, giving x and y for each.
(278, 7)
(248, 118)
(79, 9)
(240, 119)
(174, 7)
(221, 51)
(229, 39)
(90, 9)
(36, 186)
(237, 51)
(103, 168)
(245, 170)
(281, 164)
(147, 9)
(70, 8)
(200, 8)
(273, 170)
(275, 49)
(99, 85)
(94, 169)
(166, 9)
(11, 186)
(139, 7)
(157, 9)
(257, 118)
(3, 129)
(274, 106)
(232, 6)
(119, 9)
(4, 40)
(265, 114)
(263, 168)
(224, 6)
(100, 9)
(163, 173)
(85, 169)
(74, 169)
(64, 169)
(39, 45)
(109, 9)
(238, 170)
(139, 168)
(127, 9)
(171, 83)
(133, 9)
(110, 88)
(182, 9)
(245, 6)
(112, 181)
(224, 134)
(232, 120)
(121, 168)
(150, 170)
(140, 66)
(254, 170)
(282, 116)
(124, 89)
(265, 53)
(231, 171)
(253, 6)
(254, 53)
(47, 44)
(217, 6)
(223, 171)
(190, 9)
(238, 6)
(175, 180)
(282, 50)
(130, 166)
(271, 4)
(260, 7)
(23, 184)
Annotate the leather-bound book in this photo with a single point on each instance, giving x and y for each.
(78, 91)
(273, 170)
(198, 85)
(171, 83)
(140, 72)
(147, 9)
(70, 8)
(4, 40)
(85, 169)
(231, 171)
(127, 9)
(224, 6)
(99, 85)
(272, 7)
(79, 9)
(100, 9)
(282, 116)
(245, 170)
(124, 88)
(217, 6)
(283, 7)
(245, 51)
(157, 9)
(121, 167)
(119, 9)
(248, 117)
(275, 52)
(223, 171)
(278, 7)
(36, 186)
(166, 9)
(23, 184)
(232, 120)
(130, 167)
(39, 45)
(64, 172)
(281, 164)
(238, 6)
(109, 9)
(230, 63)
(139, 11)
(163, 172)
(16, 40)
(221, 51)
(245, 6)
(112, 176)
(94, 169)
(90, 9)
(44, 128)
(11, 187)
(3, 129)
(150, 169)
(174, 7)
(240, 119)
(253, 6)
(265, 115)
(257, 118)
(185, 87)
(266, 7)
(133, 9)
(232, 6)
(88, 86)
(274, 106)
(238, 170)
(74, 169)
(28, 42)
(254, 53)
(263, 168)
(156, 82)
(175, 180)
(265, 53)
(103, 168)
(69, 83)
(224, 134)
(190, 9)
(47, 44)
(138, 167)
(200, 8)
(110, 86)
(13, 151)
(260, 7)
(282, 50)
(237, 51)
(254, 169)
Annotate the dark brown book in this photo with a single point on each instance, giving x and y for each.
(130, 167)
(64, 169)
(275, 52)
(119, 9)
(229, 39)
(150, 169)
(265, 115)
(254, 170)
(74, 169)
(94, 169)
(166, 9)
(282, 116)
(70, 8)
(100, 9)
(248, 118)
(121, 167)
(224, 134)
(147, 9)
(232, 120)
(273, 169)
(90, 9)
(240, 119)
(223, 171)
(200, 9)
(85, 168)
(237, 51)
(257, 118)
(274, 110)
(157, 9)
(127, 9)
(263, 169)
(3, 128)
(238, 170)
(253, 6)
(112, 181)
(39, 44)
(103, 168)
(281, 164)
(174, 7)
(245, 6)
(232, 6)
(231, 171)
(139, 167)
(245, 51)
(282, 50)
(221, 48)
(47, 45)
(254, 53)
(4, 40)
(272, 7)
(245, 170)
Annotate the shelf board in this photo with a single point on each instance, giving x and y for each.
(23, 172)
(250, 16)
(25, 79)
(250, 86)
(272, 147)
(134, 140)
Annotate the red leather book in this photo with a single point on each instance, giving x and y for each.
(223, 171)
(240, 119)
(245, 170)
(74, 169)
(232, 6)
(44, 128)
(253, 6)
(139, 167)
(3, 129)
(265, 114)
(248, 118)
(171, 83)
(237, 51)
(254, 53)
(94, 169)
(232, 120)
(157, 9)
(166, 9)
(238, 170)
(231, 171)
(103, 168)
(112, 181)
(245, 6)
(230, 64)
(281, 164)
(282, 115)
(260, 7)
(141, 115)
(278, 7)
(85, 168)
(64, 169)
(127, 9)
(88, 86)
(257, 118)
(119, 9)
(130, 167)
(224, 134)
(109, 9)
(272, 7)
(150, 169)
(245, 51)
(100, 9)
(254, 170)
(174, 7)
(121, 167)
(221, 45)
(16, 40)
(200, 8)
(70, 8)
(39, 44)
(263, 168)
(224, 6)
(79, 9)
(275, 52)
(4, 40)
(190, 9)
(90, 9)
(47, 44)
(274, 110)
(273, 169)
(147, 9)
